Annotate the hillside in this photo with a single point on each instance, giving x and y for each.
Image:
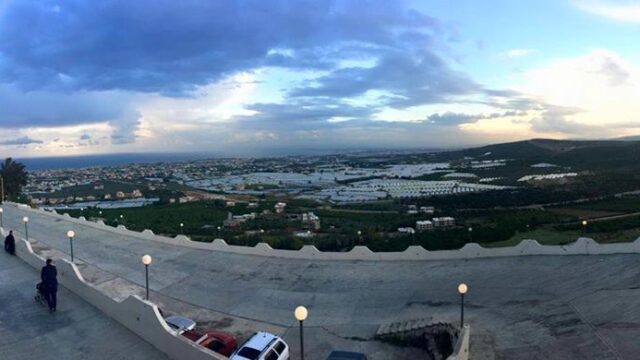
(600, 153)
(630, 138)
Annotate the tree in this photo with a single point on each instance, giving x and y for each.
(14, 176)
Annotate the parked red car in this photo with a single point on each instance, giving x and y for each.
(218, 341)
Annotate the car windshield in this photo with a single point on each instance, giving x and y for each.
(249, 353)
(279, 347)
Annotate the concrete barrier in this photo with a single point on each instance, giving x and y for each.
(140, 316)
(461, 348)
(582, 246)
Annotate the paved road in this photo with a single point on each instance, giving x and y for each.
(542, 307)
(76, 331)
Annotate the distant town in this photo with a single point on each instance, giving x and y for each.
(385, 200)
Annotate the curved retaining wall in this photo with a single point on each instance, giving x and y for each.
(140, 316)
(461, 349)
(582, 246)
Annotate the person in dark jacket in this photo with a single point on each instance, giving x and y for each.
(49, 277)
(10, 243)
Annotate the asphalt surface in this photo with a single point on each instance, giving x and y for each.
(539, 307)
(75, 331)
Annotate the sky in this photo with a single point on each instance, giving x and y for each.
(254, 77)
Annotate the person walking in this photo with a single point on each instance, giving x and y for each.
(49, 277)
(10, 243)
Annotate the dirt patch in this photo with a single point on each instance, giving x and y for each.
(437, 339)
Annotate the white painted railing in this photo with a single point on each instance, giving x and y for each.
(582, 246)
(138, 315)
(461, 348)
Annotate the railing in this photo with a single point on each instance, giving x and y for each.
(461, 348)
(582, 246)
(140, 316)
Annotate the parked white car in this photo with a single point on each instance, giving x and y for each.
(262, 346)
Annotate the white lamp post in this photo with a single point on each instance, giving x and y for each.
(70, 235)
(25, 220)
(584, 226)
(462, 290)
(181, 228)
(301, 314)
(1, 211)
(359, 237)
(146, 260)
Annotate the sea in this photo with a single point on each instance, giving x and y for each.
(85, 161)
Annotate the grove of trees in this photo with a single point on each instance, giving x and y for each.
(14, 177)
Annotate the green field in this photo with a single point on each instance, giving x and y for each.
(547, 236)
(491, 228)
(544, 236)
(166, 219)
(613, 204)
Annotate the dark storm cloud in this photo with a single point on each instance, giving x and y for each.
(300, 115)
(20, 109)
(80, 62)
(169, 47)
(412, 80)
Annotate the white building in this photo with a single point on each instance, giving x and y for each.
(304, 234)
(279, 207)
(236, 220)
(424, 225)
(447, 221)
(406, 230)
(312, 220)
(427, 209)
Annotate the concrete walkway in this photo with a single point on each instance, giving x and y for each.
(541, 307)
(76, 331)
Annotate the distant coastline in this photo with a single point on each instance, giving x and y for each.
(102, 160)
(86, 161)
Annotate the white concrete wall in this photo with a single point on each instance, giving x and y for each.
(140, 316)
(461, 348)
(582, 246)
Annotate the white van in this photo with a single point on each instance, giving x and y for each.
(262, 346)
